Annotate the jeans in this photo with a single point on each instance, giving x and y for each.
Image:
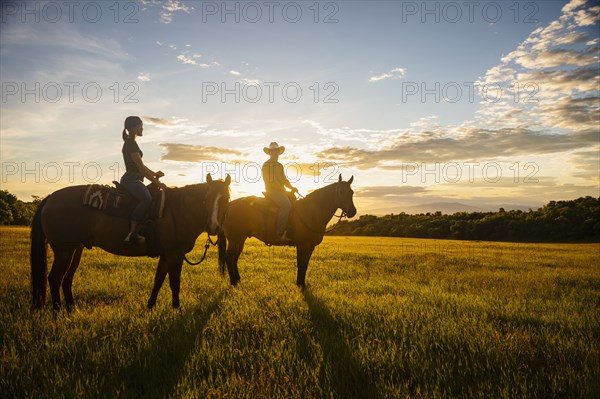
(283, 203)
(140, 192)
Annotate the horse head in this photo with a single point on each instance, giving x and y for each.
(217, 202)
(344, 197)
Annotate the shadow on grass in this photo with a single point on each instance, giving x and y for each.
(157, 368)
(341, 372)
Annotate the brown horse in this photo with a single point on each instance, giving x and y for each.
(247, 217)
(68, 226)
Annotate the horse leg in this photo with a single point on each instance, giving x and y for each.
(235, 262)
(175, 279)
(233, 254)
(303, 254)
(159, 278)
(62, 261)
(67, 283)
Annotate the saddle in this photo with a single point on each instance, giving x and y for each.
(270, 209)
(116, 201)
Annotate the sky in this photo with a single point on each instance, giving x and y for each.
(486, 103)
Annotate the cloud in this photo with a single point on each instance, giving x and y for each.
(144, 77)
(396, 73)
(190, 59)
(388, 191)
(349, 135)
(573, 5)
(64, 36)
(196, 153)
(472, 144)
(314, 169)
(234, 73)
(587, 17)
(158, 121)
(550, 81)
(550, 105)
(60, 54)
(170, 7)
(558, 57)
(573, 38)
(211, 64)
(580, 114)
(186, 59)
(250, 81)
(562, 82)
(586, 164)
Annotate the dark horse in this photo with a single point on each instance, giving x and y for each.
(68, 226)
(246, 217)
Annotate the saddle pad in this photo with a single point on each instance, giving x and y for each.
(119, 203)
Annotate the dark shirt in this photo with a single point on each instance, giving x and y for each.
(129, 147)
(274, 176)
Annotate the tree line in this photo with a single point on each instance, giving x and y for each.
(557, 221)
(574, 220)
(15, 212)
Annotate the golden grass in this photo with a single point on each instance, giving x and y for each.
(381, 317)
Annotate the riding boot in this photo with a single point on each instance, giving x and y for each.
(133, 237)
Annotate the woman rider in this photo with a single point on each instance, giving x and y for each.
(135, 171)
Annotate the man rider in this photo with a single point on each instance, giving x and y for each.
(275, 184)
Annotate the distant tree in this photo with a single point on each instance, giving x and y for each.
(573, 220)
(13, 211)
(6, 216)
(7, 207)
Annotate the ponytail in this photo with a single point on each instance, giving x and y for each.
(130, 123)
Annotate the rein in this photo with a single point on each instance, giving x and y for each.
(343, 215)
(207, 245)
(340, 216)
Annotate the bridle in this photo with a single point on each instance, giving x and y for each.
(340, 216)
(207, 244)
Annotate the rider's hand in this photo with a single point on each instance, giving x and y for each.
(159, 174)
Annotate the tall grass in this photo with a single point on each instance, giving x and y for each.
(381, 317)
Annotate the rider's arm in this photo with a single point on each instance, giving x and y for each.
(147, 172)
(286, 183)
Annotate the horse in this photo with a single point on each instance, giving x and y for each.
(64, 222)
(307, 222)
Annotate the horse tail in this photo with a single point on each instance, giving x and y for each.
(222, 244)
(39, 265)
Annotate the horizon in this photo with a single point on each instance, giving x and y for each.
(494, 104)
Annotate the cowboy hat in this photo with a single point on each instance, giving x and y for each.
(273, 146)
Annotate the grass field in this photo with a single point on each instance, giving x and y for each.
(381, 318)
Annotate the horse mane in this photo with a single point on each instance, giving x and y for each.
(177, 194)
(318, 193)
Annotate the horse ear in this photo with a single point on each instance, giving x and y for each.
(228, 180)
(340, 179)
(351, 180)
(208, 178)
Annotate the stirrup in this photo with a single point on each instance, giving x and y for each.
(283, 238)
(134, 239)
